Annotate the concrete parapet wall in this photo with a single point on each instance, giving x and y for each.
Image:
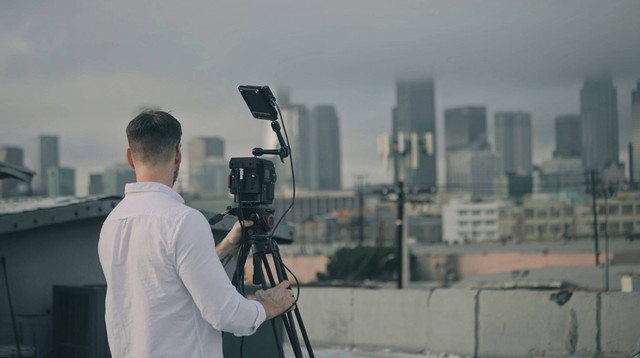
(516, 323)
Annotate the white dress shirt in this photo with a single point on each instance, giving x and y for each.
(167, 292)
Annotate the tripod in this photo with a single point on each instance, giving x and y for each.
(262, 245)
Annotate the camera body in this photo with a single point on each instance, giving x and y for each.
(252, 181)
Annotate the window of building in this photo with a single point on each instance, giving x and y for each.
(568, 211)
(503, 214)
(627, 209)
(528, 213)
(554, 212)
(627, 227)
(613, 209)
(477, 223)
(462, 212)
(555, 228)
(601, 227)
(542, 230)
(490, 212)
(463, 223)
(490, 222)
(475, 212)
(614, 228)
(638, 208)
(528, 229)
(542, 213)
(601, 209)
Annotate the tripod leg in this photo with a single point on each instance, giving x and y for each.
(287, 318)
(303, 331)
(258, 259)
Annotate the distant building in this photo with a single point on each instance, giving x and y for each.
(15, 156)
(210, 176)
(513, 141)
(326, 163)
(46, 155)
(311, 205)
(468, 221)
(116, 177)
(512, 185)
(96, 184)
(62, 181)
(599, 114)
(298, 125)
(635, 122)
(415, 113)
(561, 174)
(568, 131)
(199, 149)
(465, 129)
(485, 167)
(465, 126)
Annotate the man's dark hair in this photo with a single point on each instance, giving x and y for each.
(154, 136)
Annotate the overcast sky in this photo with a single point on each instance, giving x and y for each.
(82, 70)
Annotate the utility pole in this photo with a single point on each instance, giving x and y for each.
(360, 187)
(404, 149)
(592, 186)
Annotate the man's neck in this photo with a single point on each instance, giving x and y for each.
(161, 175)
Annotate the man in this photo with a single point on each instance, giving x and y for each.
(167, 292)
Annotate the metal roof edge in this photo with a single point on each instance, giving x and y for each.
(93, 207)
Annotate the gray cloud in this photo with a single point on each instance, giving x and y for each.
(80, 70)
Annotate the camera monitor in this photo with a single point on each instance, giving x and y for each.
(260, 101)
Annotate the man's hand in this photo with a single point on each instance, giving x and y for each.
(276, 300)
(231, 243)
(234, 236)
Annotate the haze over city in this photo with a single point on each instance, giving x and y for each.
(82, 72)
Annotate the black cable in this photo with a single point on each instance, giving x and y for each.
(293, 176)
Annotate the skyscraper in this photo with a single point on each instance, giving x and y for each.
(635, 122)
(415, 113)
(46, 155)
(325, 169)
(465, 126)
(513, 141)
(116, 177)
(568, 131)
(297, 123)
(465, 130)
(62, 181)
(14, 156)
(599, 115)
(200, 149)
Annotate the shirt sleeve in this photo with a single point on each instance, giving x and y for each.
(204, 277)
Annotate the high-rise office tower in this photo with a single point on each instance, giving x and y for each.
(568, 131)
(46, 155)
(485, 167)
(325, 168)
(14, 156)
(465, 129)
(116, 177)
(415, 113)
(200, 149)
(465, 126)
(298, 125)
(62, 181)
(96, 184)
(513, 141)
(599, 114)
(635, 122)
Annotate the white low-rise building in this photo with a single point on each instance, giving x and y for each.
(464, 220)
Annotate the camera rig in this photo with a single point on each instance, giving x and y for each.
(252, 183)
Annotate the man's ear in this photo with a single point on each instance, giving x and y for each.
(130, 159)
(179, 154)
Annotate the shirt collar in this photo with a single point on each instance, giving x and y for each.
(143, 187)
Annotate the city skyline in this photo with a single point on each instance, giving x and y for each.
(80, 71)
